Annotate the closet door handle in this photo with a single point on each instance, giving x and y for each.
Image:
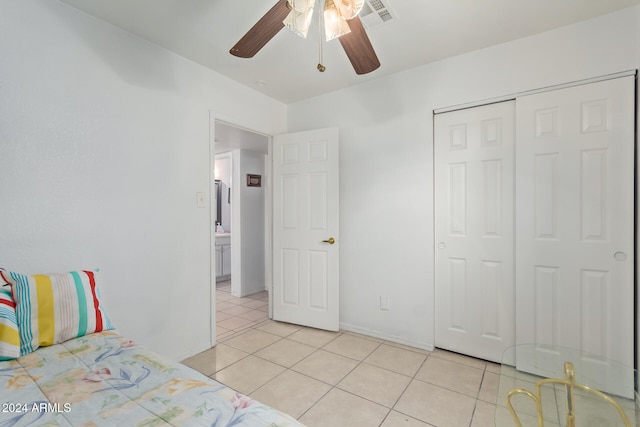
(330, 241)
(620, 256)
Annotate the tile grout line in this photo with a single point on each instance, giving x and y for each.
(331, 386)
(359, 363)
(413, 378)
(255, 325)
(335, 386)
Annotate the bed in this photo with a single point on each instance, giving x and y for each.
(100, 378)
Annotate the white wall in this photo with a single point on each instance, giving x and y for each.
(247, 240)
(386, 158)
(104, 142)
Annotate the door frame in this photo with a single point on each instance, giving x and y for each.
(268, 217)
(515, 95)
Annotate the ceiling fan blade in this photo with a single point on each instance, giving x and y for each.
(263, 31)
(358, 48)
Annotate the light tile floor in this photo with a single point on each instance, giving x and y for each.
(238, 314)
(341, 378)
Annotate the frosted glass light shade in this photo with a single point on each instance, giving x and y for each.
(349, 9)
(299, 18)
(334, 24)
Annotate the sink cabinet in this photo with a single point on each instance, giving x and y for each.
(223, 257)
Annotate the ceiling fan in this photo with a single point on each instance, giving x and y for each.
(341, 21)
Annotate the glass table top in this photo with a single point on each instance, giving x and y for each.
(555, 386)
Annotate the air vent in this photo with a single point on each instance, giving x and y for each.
(375, 12)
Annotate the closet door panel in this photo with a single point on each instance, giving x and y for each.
(474, 230)
(575, 220)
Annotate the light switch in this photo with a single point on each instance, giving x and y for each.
(201, 201)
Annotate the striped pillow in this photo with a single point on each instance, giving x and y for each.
(53, 308)
(9, 337)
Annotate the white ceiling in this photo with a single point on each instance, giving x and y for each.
(421, 32)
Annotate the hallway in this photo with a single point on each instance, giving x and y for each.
(237, 314)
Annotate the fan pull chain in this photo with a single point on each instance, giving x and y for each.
(321, 67)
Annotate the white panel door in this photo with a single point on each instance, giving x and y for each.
(474, 287)
(575, 223)
(305, 228)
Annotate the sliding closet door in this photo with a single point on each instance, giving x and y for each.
(575, 222)
(474, 297)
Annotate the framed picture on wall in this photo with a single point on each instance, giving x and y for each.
(254, 180)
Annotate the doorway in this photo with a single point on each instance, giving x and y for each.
(318, 150)
(240, 223)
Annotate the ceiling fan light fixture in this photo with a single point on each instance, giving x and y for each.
(299, 18)
(349, 9)
(334, 23)
(352, 34)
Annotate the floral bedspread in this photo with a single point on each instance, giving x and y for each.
(103, 379)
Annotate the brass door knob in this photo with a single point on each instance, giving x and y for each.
(330, 241)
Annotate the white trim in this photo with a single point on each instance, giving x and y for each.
(422, 345)
(637, 244)
(534, 91)
(268, 226)
(236, 225)
(212, 234)
(241, 127)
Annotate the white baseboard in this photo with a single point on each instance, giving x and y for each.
(252, 291)
(192, 352)
(387, 337)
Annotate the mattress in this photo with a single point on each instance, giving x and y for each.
(104, 379)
